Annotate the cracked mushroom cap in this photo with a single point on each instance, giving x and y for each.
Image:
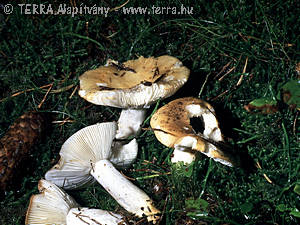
(172, 127)
(135, 83)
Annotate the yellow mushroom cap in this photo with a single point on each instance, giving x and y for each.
(172, 127)
(135, 83)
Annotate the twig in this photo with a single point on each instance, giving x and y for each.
(45, 96)
(274, 43)
(243, 37)
(73, 3)
(228, 72)
(226, 55)
(118, 7)
(203, 85)
(66, 114)
(129, 178)
(22, 92)
(164, 208)
(2, 53)
(266, 177)
(73, 92)
(220, 95)
(41, 87)
(237, 84)
(62, 89)
(223, 69)
(140, 221)
(67, 120)
(63, 121)
(244, 71)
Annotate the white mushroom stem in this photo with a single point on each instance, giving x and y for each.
(123, 191)
(130, 122)
(83, 216)
(182, 151)
(183, 155)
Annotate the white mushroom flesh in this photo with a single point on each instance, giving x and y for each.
(129, 196)
(84, 216)
(182, 155)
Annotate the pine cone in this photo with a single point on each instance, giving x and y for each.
(16, 144)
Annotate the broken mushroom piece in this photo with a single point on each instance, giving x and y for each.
(133, 85)
(172, 127)
(87, 155)
(55, 206)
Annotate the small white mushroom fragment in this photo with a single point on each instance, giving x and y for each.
(88, 154)
(183, 154)
(55, 206)
(83, 216)
(123, 155)
(134, 86)
(172, 127)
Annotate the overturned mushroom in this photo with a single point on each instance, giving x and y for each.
(55, 206)
(133, 86)
(87, 155)
(172, 127)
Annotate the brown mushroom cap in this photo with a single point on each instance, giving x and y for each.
(135, 83)
(172, 127)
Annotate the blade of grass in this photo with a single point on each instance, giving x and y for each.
(286, 146)
(249, 139)
(209, 169)
(87, 38)
(149, 117)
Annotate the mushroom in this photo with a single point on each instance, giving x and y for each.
(172, 127)
(55, 206)
(87, 155)
(133, 86)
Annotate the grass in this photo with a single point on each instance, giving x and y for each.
(215, 42)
